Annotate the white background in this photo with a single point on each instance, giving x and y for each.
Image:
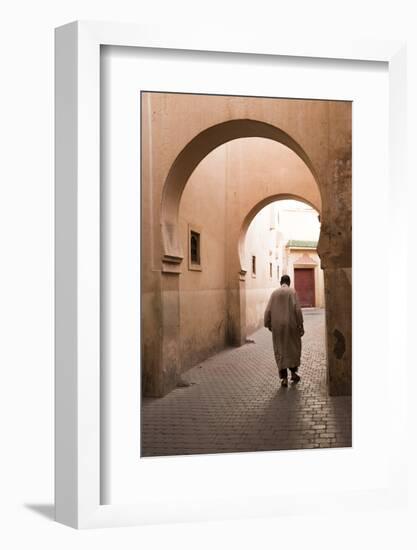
(235, 478)
(26, 274)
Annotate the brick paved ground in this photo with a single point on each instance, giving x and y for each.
(235, 403)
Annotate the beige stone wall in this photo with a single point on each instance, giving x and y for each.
(261, 242)
(203, 293)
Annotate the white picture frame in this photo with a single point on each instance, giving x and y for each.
(78, 406)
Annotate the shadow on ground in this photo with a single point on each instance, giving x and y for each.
(45, 510)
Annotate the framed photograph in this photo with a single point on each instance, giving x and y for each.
(222, 210)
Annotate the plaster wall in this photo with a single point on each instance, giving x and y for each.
(261, 242)
(298, 221)
(203, 293)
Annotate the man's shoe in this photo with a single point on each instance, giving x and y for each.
(284, 383)
(295, 378)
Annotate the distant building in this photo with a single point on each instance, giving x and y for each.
(303, 266)
(282, 240)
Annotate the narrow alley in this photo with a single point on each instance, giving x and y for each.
(234, 403)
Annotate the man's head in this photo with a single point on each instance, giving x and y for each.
(285, 280)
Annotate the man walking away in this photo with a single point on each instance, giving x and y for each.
(283, 316)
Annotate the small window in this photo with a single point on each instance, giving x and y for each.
(270, 270)
(195, 248)
(253, 266)
(278, 272)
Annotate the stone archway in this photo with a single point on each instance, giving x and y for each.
(178, 131)
(188, 159)
(262, 204)
(316, 205)
(172, 253)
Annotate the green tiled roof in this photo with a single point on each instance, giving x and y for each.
(302, 244)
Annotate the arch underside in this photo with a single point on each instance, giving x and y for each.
(191, 156)
(255, 210)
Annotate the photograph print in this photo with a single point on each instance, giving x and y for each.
(246, 274)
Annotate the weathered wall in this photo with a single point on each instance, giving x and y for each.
(338, 289)
(335, 249)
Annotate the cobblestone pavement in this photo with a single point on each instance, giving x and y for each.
(235, 403)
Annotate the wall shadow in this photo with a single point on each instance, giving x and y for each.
(45, 510)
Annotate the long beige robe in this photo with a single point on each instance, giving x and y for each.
(284, 317)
